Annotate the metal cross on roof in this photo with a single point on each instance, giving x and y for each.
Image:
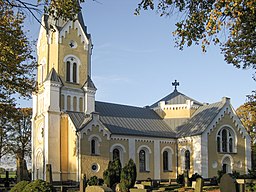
(175, 84)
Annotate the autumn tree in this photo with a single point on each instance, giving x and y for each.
(229, 23)
(247, 114)
(19, 139)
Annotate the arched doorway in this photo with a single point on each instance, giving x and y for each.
(226, 165)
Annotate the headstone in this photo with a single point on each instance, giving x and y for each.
(227, 184)
(82, 183)
(98, 189)
(49, 173)
(199, 185)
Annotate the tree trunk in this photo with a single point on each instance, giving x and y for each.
(22, 172)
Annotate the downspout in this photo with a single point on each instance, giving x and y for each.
(78, 156)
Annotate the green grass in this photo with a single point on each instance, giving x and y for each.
(12, 174)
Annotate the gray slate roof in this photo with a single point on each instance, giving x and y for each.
(53, 76)
(136, 121)
(200, 120)
(175, 98)
(128, 120)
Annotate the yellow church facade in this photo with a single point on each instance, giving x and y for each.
(78, 135)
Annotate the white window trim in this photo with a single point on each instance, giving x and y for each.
(182, 156)
(121, 149)
(78, 62)
(147, 155)
(231, 161)
(233, 135)
(170, 154)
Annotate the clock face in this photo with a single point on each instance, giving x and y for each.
(40, 134)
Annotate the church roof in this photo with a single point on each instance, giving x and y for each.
(137, 121)
(175, 98)
(200, 120)
(129, 120)
(53, 76)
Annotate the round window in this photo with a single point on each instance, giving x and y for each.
(72, 44)
(214, 164)
(95, 167)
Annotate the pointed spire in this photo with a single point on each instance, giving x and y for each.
(89, 83)
(53, 76)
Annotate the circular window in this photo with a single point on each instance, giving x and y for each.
(95, 167)
(72, 44)
(214, 164)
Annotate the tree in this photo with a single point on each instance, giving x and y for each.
(16, 60)
(247, 114)
(230, 23)
(19, 140)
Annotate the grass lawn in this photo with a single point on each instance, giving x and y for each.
(12, 174)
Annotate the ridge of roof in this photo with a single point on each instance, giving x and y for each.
(172, 98)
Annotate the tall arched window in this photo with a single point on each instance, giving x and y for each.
(187, 159)
(93, 147)
(116, 154)
(226, 140)
(142, 160)
(165, 161)
(71, 69)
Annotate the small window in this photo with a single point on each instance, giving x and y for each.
(116, 154)
(187, 159)
(93, 147)
(142, 160)
(165, 161)
(71, 70)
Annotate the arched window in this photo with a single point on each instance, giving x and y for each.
(142, 160)
(226, 140)
(187, 159)
(93, 147)
(71, 69)
(116, 154)
(165, 161)
(74, 72)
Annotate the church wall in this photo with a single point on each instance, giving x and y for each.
(175, 112)
(79, 52)
(101, 160)
(173, 172)
(214, 156)
(64, 147)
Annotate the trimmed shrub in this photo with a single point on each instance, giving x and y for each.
(39, 185)
(128, 176)
(19, 186)
(180, 179)
(111, 176)
(194, 177)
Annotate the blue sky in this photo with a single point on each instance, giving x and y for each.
(134, 60)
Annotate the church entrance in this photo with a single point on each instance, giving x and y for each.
(226, 165)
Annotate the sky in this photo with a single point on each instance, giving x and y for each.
(134, 60)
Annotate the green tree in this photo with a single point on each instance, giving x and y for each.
(230, 23)
(128, 176)
(16, 60)
(19, 140)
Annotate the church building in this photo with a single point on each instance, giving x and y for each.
(78, 135)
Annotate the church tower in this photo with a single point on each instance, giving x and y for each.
(64, 84)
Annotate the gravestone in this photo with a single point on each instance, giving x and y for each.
(98, 189)
(186, 179)
(199, 185)
(49, 173)
(227, 184)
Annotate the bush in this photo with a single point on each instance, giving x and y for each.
(19, 186)
(94, 180)
(180, 179)
(194, 177)
(39, 185)
(112, 175)
(128, 176)
(220, 174)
